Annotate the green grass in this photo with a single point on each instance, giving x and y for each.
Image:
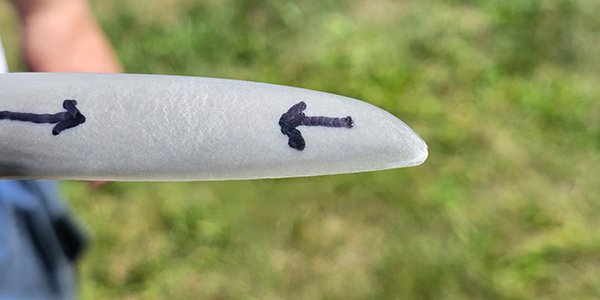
(507, 206)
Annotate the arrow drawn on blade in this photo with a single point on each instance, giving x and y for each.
(68, 119)
(295, 117)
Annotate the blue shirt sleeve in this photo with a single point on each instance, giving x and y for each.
(38, 242)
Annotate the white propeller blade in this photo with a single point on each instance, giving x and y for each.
(154, 127)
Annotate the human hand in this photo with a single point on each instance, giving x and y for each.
(63, 36)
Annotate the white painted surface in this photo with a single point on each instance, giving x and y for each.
(3, 64)
(153, 127)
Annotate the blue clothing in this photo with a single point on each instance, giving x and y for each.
(38, 242)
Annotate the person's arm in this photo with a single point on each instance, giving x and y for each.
(63, 36)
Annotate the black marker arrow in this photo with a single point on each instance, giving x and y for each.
(68, 119)
(295, 117)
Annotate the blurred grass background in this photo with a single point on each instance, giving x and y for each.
(505, 93)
